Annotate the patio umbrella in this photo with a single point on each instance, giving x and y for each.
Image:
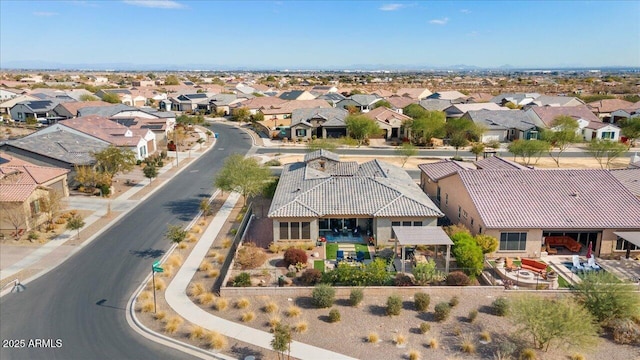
(589, 250)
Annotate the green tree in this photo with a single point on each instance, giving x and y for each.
(240, 114)
(151, 76)
(326, 144)
(360, 127)
(605, 151)
(415, 111)
(205, 207)
(51, 205)
(461, 131)
(171, 80)
(150, 172)
(631, 129)
(549, 320)
(634, 98)
(88, 97)
(406, 150)
(258, 116)
(468, 254)
(477, 149)
(487, 243)
(281, 341)
(111, 98)
(430, 124)
(114, 160)
(384, 103)
(243, 175)
(528, 149)
(562, 134)
(31, 120)
(606, 298)
(176, 233)
(75, 223)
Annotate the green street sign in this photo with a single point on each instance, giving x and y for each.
(158, 269)
(156, 264)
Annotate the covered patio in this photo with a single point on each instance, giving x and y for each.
(422, 235)
(630, 238)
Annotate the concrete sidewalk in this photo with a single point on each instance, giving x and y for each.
(177, 298)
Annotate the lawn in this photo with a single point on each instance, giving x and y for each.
(318, 265)
(332, 250)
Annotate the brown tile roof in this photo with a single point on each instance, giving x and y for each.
(437, 170)
(480, 97)
(18, 178)
(74, 106)
(609, 105)
(382, 93)
(385, 115)
(289, 106)
(260, 102)
(551, 199)
(548, 113)
(104, 129)
(414, 93)
(401, 102)
(630, 178)
(499, 163)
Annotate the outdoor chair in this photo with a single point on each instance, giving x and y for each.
(509, 264)
(340, 255)
(591, 262)
(360, 256)
(551, 251)
(576, 263)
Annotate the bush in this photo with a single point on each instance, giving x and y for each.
(606, 298)
(473, 314)
(293, 256)
(273, 162)
(311, 276)
(248, 316)
(528, 354)
(403, 280)
(433, 343)
(323, 296)
(394, 305)
(301, 327)
(334, 315)
(293, 311)
(454, 301)
(468, 254)
(442, 311)
(425, 327)
(577, 356)
(421, 301)
(355, 297)
(242, 303)
(467, 346)
(250, 257)
(414, 354)
(373, 337)
(500, 306)
(221, 304)
(625, 331)
(242, 280)
(400, 340)
(457, 278)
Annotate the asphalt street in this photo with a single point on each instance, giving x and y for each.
(82, 302)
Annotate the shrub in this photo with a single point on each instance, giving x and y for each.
(311, 276)
(291, 274)
(206, 298)
(196, 332)
(242, 303)
(323, 296)
(625, 331)
(400, 340)
(173, 325)
(500, 306)
(147, 306)
(270, 307)
(216, 340)
(425, 327)
(293, 311)
(248, 316)
(293, 256)
(485, 336)
(442, 311)
(414, 354)
(373, 337)
(403, 280)
(242, 280)
(213, 254)
(226, 243)
(274, 248)
(221, 304)
(421, 301)
(301, 327)
(607, 299)
(213, 273)
(468, 253)
(175, 260)
(145, 295)
(160, 315)
(467, 346)
(457, 278)
(473, 314)
(528, 354)
(205, 266)
(160, 285)
(577, 356)
(454, 301)
(196, 289)
(274, 321)
(334, 315)
(220, 259)
(182, 245)
(196, 229)
(433, 343)
(250, 257)
(394, 305)
(355, 297)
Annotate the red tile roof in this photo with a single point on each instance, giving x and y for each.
(18, 178)
(74, 106)
(551, 199)
(437, 170)
(289, 106)
(548, 113)
(609, 105)
(103, 129)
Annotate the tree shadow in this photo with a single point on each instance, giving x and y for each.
(148, 253)
(343, 302)
(324, 318)
(486, 309)
(244, 351)
(305, 302)
(426, 316)
(415, 330)
(186, 209)
(378, 310)
(408, 305)
(102, 303)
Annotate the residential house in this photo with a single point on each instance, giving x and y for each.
(78, 94)
(457, 110)
(220, 103)
(69, 110)
(453, 96)
(332, 98)
(323, 89)
(322, 123)
(398, 103)
(518, 99)
(383, 93)
(435, 104)
(604, 108)
(479, 97)
(6, 106)
(297, 95)
(629, 178)
(521, 208)
(590, 126)
(414, 93)
(431, 173)
(504, 125)
(616, 116)
(363, 103)
(550, 100)
(7, 94)
(390, 122)
(141, 141)
(24, 187)
(498, 163)
(598, 130)
(120, 92)
(105, 111)
(42, 110)
(258, 103)
(191, 102)
(322, 196)
(285, 110)
(143, 83)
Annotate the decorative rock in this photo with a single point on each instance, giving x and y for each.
(315, 254)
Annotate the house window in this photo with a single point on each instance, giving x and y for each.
(301, 132)
(608, 135)
(284, 230)
(295, 230)
(472, 222)
(35, 207)
(515, 241)
(438, 194)
(479, 229)
(406, 223)
(446, 199)
(395, 223)
(20, 115)
(459, 212)
(306, 230)
(417, 223)
(621, 247)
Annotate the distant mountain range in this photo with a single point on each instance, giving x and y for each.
(48, 65)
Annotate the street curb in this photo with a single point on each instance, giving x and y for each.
(103, 229)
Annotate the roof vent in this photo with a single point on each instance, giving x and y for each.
(574, 194)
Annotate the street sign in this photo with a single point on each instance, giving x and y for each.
(156, 267)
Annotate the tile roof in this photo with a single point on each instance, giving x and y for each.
(74, 106)
(387, 116)
(480, 97)
(630, 178)
(499, 163)
(400, 102)
(437, 170)
(548, 113)
(291, 95)
(516, 98)
(61, 145)
(364, 99)
(463, 108)
(415, 93)
(447, 95)
(387, 191)
(609, 105)
(435, 104)
(551, 199)
(260, 102)
(106, 111)
(507, 119)
(550, 100)
(321, 153)
(291, 105)
(18, 180)
(104, 129)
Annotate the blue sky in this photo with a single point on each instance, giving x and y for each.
(317, 34)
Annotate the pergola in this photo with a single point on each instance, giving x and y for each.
(422, 235)
(631, 237)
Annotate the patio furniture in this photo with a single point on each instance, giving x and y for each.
(535, 266)
(360, 256)
(591, 262)
(509, 264)
(550, 250)
(576, 264)
(340, 255)
(565, 241)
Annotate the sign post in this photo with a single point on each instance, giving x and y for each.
(154, 269)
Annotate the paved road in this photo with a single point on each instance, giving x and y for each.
(62, 304)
